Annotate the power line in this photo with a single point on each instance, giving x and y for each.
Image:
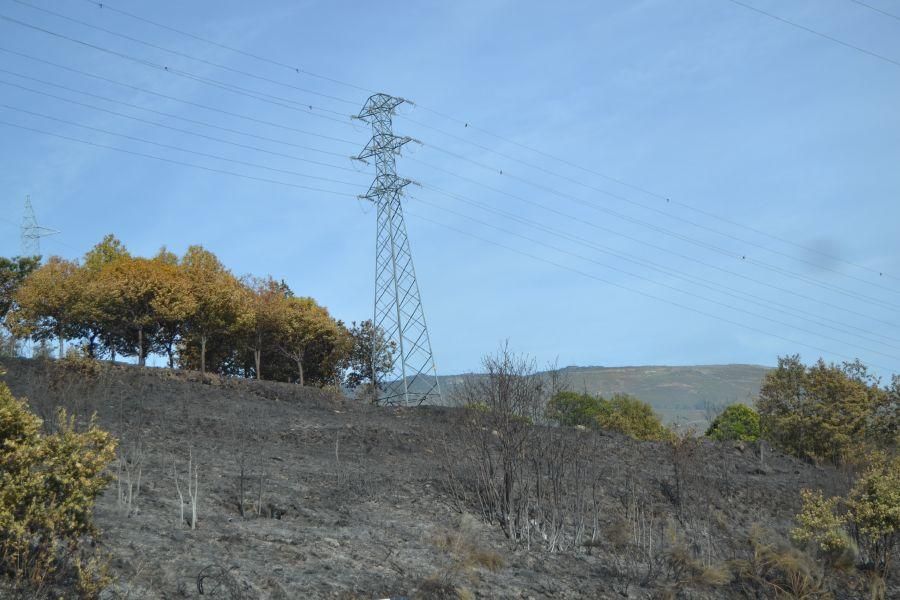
(230, 173)
(636, 291)
(676, 254)
(505, 172)
(179, 149)
(179, 130)
(242, 91)
(185, 55)
(344, 168)
(658, 283)
(179, 100)
(177, 162)
(468, 125)
(293, 68)
(730, 291)
(818, 33)
(734, 255)
(550, 190)
(173, 116)
(876, 9)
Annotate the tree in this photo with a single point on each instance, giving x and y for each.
(823, 412)
(145, 300)
(108, 250)
(736, 422)
(371, 355)
(44, 305)
(216, 295)
(13, 272)
(92, 324)
(308, 336)
(264, 301)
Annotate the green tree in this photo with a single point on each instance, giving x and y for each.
(13, 272)
(108, 250)
(736, 422)
(371, 355)
(822, 412)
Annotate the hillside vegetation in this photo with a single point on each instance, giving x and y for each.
(191, 310)
(680, 394)
(255, 489)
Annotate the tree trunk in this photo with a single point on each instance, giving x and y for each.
(203, 354)
(300, 370)
(62, 346)
(257, 355)
(171, 354)
(140, 346)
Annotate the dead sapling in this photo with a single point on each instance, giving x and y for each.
(129, 468)
(192, 487)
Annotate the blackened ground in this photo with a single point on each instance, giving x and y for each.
(353, 502)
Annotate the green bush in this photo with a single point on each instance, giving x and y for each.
(866, 522)
(571, 409)
(820, 527)
(736, 422)
(48, 484)
(631, 416)
(623, 413)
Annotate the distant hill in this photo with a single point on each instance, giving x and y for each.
(678, 394)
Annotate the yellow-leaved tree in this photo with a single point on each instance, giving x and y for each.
(143, 300)
(264, 301)
(44, 305)
(218, 299)
(311, 338)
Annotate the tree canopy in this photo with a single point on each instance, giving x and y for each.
(191, 309)
(827, 412)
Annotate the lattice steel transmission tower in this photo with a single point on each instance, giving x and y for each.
(398, 306)
(32, 232)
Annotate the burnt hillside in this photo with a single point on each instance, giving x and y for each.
(343, 500)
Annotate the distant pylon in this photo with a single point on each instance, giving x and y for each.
(32, 232)
(398, 306)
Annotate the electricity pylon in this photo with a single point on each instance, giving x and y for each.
(32, 232)
(399, 315)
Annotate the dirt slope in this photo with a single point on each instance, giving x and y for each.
(352, 500)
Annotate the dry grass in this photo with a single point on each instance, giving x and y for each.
(463, 557)
(776, 569)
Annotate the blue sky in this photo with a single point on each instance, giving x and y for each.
(721, 109)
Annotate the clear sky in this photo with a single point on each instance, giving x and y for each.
(726, 112)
